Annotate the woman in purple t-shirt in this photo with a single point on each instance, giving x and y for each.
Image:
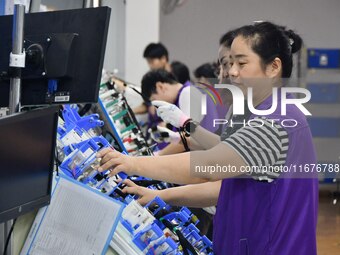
(261, 207)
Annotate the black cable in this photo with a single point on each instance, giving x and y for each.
(30, 10)
(56, 156)
(146, 183)
(57, 161)
(60, 113)
(9, 237)
(115, 140)
(84, 109)
(146, 100)
(186, 245)
(132, 86)
(184, 140)
(134, 119)
(130, 112)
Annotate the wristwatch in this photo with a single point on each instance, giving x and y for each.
(189, 127)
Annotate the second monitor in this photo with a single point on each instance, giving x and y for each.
(27, 148)
(64, 56)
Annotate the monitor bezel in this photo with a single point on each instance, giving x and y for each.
(42, 201)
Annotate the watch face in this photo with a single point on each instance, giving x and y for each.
(190, 127)
(187, 127)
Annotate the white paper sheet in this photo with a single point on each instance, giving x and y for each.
(78, 221)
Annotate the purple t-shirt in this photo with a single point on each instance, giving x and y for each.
(275, 218)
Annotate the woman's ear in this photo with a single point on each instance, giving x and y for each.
(274, 69)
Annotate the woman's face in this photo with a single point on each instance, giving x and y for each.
(223, 57)
(246, 70)
(223, 77)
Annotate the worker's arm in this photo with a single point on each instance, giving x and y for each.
(140, 109)
(204, 138)
(172, 148)
(196, 195)
(184, 168)
(225, 160)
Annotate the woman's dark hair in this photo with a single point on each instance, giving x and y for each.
(271, 41)
(180, 71)
(150, 79)
(207, 70)
(227, 39)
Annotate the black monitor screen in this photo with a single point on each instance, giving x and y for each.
(64, 56)
(27, 144)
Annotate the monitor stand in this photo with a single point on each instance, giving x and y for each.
(14, 104)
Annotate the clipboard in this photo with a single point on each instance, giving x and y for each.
(79, 220)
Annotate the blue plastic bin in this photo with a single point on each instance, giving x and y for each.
(323, 58)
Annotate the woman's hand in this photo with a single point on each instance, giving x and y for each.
(116, 162)
(145, 195)
(170, 113)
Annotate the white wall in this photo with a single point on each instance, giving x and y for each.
(63, 4)
(192, 31)
(142, 27)
(115, 45)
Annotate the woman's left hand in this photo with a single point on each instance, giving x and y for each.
(145, 195)
(170, 113)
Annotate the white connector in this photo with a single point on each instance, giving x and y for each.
(73, 137)
(106, 94)
(137, 216)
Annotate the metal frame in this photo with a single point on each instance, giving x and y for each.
(14, 102)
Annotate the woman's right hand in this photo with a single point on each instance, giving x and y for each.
(145, 195)
(116, 162)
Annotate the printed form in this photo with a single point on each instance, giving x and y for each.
(78, 221)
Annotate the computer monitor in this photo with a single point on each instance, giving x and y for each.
(27, 149)
(64, 56)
